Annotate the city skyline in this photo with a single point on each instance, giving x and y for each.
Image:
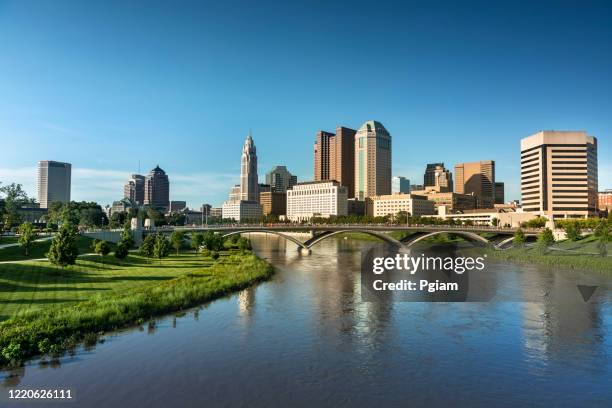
(463, 91)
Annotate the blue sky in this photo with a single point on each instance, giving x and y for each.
(180, 84)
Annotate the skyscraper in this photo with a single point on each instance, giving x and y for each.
(134, 189)
(477, 178)
(157, 189)
(54, 180)
(400, 185)
(499, 192)
(372, 160)
(437, 176)
(559, 173)
(243, 201)
(280, 179)
(248, 171)
(334, 157)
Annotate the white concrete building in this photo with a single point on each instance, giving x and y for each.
(391, 204)
(242, 210)
(316, 199)
(505, 216)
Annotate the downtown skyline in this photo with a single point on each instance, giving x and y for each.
(457, 92)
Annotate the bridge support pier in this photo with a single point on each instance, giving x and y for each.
(304, 251)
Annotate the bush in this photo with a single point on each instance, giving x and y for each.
(121, 251)
(102, 248)
(572, 230)
(214, 255)
(64, 249)
(519, 238)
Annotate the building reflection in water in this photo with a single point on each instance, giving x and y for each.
(557, 322)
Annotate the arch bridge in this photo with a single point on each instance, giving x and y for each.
(499, 238)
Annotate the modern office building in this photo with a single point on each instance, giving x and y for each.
(453, 202)
(134, 189)
(273, 202)
(316, 199)
(216, 212)
(206, 210)
(391, 204)
(54, 180)
(400, 184)
(438, 176)
(280, 179)
(477, 178)
(372, 160)
(241, 210)
(248, 171)
(605, 200)
(334, 157)
(157, 189)
(559, 174)
(499, 192)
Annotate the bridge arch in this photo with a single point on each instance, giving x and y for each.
(326, 234)
(470, 236)
(296, 241)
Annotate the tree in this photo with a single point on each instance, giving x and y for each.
(572, 230)
(519, 238)
(495, 222)
(126, 237)
(146, 248)
(545, 239)
(196, 240)
(244, 244)
(64, 249)
(213, 242)
(177, 238)
(102, 248)
(14, 198)
(602, 231)
(121, 250)
(161, 247)
(27, 235)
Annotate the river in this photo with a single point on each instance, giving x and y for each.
(305, 338)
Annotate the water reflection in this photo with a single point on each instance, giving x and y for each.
(307, 336)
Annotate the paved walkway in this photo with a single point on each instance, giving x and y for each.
(16, 243)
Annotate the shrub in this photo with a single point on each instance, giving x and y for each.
(102, 248)
(64, 249)
(519, 237)
(121, 251)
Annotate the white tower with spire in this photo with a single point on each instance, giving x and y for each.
(249, 182)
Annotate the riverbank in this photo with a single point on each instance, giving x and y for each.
(56, 329)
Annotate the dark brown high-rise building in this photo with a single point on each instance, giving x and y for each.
(334, 157)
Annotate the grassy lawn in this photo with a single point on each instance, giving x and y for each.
(8, 240)
(35, 285)
(39, 249)
(49, 310)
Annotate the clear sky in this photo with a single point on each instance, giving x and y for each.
(180, 84)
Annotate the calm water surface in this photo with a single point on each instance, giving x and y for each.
(306, 339)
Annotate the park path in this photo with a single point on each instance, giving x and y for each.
(17, 243)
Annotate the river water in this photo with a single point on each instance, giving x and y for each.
(305, 338)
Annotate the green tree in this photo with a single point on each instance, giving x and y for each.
(545, 239)
(603, 225)
(572, 230)
(161, 247)
(126, 236)
(146, 248)
(177, 239)
(64, 249)
(102, 248)
(519, 238)
(27, 235)
(14, 198)
(244, 244)
(121, 250)
(213, 242)
(196, 240)
(604, 237)
(495, 222)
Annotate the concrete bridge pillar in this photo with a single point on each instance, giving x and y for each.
(304, 251)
